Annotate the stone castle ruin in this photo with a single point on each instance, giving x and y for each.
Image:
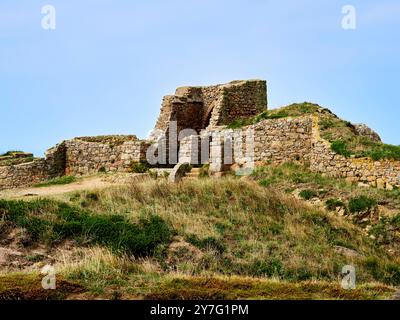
(193, 128)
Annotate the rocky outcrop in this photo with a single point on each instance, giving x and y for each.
(365, 131)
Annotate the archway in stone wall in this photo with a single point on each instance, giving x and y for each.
(207, 119)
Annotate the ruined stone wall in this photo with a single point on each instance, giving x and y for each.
(27, 174)
(186, 107)
(384, 174)
(290, 139)
(78, 156)
(87, 157)
(24, 174)
(199, 107)
(213, 100)
(208, 110)
(239, 100)
(281, 140)
(271, 140)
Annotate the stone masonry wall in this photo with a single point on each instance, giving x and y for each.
(281, 140)
(23, 174)
(274, 140)
(384, 174)
(38, 170)
(78, 156)
(208, 110)
(86, 157)
(239, 100)
(271, 140)
(199, 107)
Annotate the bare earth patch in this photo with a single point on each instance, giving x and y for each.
(87, 183)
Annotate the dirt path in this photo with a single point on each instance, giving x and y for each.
(87, 183)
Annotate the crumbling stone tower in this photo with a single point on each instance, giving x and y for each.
(208, 107)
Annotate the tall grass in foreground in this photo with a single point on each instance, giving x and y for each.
(244, 229)
(208, 238)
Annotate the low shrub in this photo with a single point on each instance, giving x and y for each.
(340, 147)
(360, 204)
(204, 171)
(269, 268)
(388, 273)
(206, 243)
(139, 167)
(307, 194)
(332, 204)
(266, 182)
(385, 151)
(102, 170)
(153, 174)
(52, 221)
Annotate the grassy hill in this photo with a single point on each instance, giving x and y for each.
(343, 135)
(283, 233)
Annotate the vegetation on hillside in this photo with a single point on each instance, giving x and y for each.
(57, 181)
(50, 222)
(215, 239)
(342, 134)
(10, 158)
(11, 153)
(376, 211)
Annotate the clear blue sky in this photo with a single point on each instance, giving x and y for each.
(107, 65)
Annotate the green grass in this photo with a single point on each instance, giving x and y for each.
(11, 153)
(332, 204)
(293, 110)
(244, 229)
(383, 151)
(16, 161)
(12, 158)
(386, 230)
(139, 167)
(19, 286)
(51, 221)
(308, 194)
(345, 140)
(361, 203)
(342, 134)
(340, 147)
(126, 282)
(198, 288)
(57, 181)
(231, 236)
(375, 151)
(336, 192)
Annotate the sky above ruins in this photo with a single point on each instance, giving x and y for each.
(106, 66)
